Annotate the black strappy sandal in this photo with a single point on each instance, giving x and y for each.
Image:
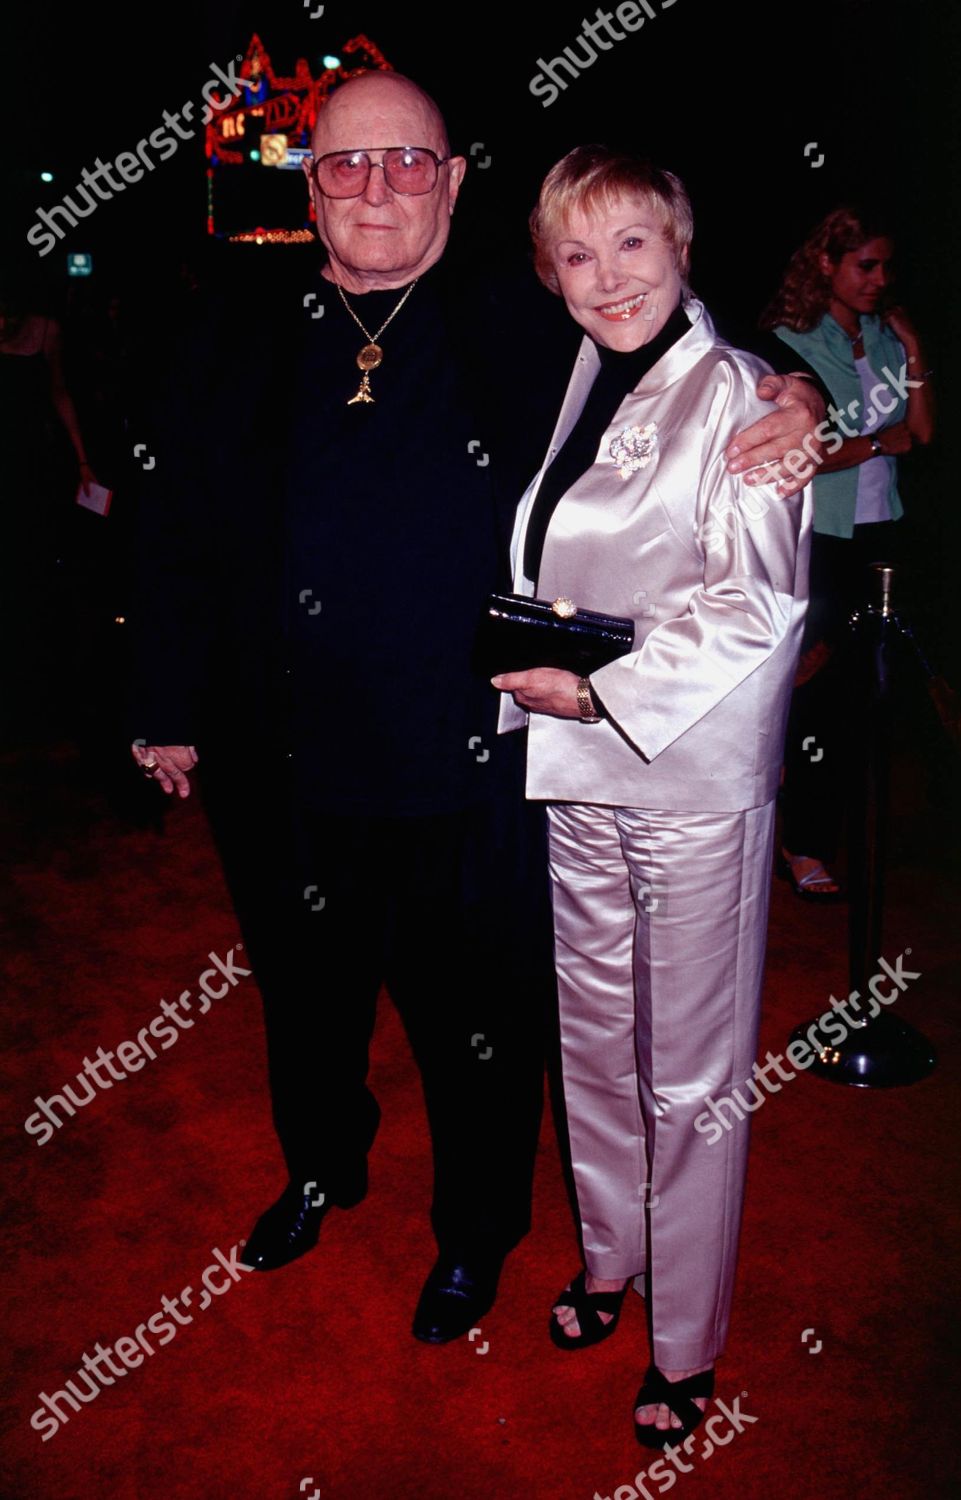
(678, 1396)
(586, 1306)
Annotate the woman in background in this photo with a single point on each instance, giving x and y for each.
(38, 515)
(834, 310)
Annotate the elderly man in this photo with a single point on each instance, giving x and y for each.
(312, 580)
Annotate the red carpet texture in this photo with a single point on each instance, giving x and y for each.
(124, 1217)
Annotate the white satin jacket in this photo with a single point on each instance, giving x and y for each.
(712, 571)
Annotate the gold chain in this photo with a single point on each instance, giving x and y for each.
(373, 337)
(371, 355)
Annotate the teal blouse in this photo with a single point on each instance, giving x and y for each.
(827, 348)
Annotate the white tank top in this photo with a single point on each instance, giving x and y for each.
(874, 475)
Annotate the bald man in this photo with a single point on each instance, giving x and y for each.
(312, 580)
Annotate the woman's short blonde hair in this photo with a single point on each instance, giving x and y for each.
(592, 177)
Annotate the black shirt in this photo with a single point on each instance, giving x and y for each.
(391, 549)
(619, 373)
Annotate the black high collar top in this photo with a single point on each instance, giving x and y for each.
(619, 373)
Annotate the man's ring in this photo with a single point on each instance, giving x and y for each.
(149, 766)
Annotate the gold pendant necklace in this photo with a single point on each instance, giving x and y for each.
(371, 355)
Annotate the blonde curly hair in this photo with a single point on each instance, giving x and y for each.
(805, 291)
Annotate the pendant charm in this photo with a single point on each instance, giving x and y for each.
(363, 392)
(370, 357)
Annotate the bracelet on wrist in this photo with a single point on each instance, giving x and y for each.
(585, 703)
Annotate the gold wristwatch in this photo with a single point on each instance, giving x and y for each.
(585, 703)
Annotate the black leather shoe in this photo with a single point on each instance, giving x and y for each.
(458, 1291)
(291, 1226)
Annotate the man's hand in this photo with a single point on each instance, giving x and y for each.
(760, 448)
(542, 690)
(167, 765)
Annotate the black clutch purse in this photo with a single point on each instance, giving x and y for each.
(517, 633)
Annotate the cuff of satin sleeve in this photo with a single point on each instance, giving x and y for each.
(509, 716)
(606, 695)
(599, 707)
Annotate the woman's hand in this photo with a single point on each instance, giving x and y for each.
(920, 413)
(895, 440)
(542, 690)
(902, 327)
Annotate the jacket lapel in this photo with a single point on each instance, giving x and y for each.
(674, 364)
(586, 366)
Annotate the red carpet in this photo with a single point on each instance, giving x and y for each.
(306, 1382)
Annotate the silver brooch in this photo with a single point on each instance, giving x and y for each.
(634, 448)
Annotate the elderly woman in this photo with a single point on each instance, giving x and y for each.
(661, 768)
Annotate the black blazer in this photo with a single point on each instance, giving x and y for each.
(208, 646)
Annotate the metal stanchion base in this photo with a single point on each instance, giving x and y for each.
(885, 1053)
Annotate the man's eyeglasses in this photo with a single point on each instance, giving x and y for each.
(407, 169)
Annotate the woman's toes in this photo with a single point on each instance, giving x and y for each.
(659, 1416)
(568, 1320)
(662, 1416)
(566, 1316)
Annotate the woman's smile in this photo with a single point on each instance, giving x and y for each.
(603, 252)
(619, 312)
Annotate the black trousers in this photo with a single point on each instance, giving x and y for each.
(818, 745)
(452, 914)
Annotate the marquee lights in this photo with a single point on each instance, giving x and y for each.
(285, 108)
(272, 237)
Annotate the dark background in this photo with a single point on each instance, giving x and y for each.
(725, 94)
(728, 95)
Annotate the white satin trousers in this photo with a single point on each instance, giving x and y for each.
(660, 923)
